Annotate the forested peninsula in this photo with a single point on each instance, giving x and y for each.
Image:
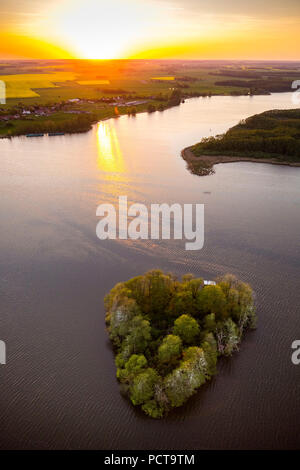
(269, 137)
(167, 334)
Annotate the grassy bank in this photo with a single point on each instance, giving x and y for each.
(78, 118)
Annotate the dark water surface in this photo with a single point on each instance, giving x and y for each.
(58, 389)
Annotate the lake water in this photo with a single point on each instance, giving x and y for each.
(58, 389)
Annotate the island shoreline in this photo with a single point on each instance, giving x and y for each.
(203, 165)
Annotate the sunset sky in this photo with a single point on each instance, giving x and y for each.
(187, 29)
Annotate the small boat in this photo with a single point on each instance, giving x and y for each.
(35, 135)
(52, 134)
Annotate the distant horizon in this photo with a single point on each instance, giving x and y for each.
(28, 59)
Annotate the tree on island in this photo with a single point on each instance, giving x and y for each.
(168, 334)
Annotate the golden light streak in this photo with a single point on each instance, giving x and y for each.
(110, 157)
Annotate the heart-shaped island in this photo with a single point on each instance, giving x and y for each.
(168, 334)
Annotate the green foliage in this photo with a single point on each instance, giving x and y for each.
(170, 349)
(272, 134)
(190, 375)
(187, 328)
(210, 348)
(66, 123)
(210, 322)
(142, 389)
(135, 365)
(161, 107)
(121, 317)
(152, 291)
(175, 98)
(228, 337)
(185, 297)
(149, 318)
(182, 301)
(139, 335)
(153, 409)
(239, 301)
(212, 300)
(151, 108)
(132, 111)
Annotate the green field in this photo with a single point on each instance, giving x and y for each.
(45, 81)
(39, 92)
(25, 85)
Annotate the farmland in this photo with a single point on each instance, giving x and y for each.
(44, 81)
(62, 89)
(24, 85)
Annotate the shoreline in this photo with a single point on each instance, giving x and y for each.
(65, 132)
(138, 111)
(203, 166)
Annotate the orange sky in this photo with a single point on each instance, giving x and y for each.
(189, 29)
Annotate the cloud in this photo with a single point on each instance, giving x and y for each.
(256, 8)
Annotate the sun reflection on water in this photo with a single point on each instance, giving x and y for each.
(110, 157)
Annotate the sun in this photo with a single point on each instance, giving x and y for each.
(93, 46)
(98, 29)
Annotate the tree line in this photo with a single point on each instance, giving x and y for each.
(270, 134)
